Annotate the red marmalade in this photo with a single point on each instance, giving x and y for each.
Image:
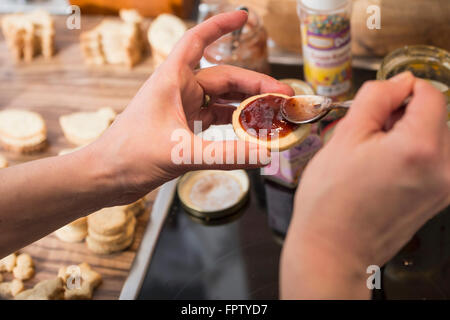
(265, 113)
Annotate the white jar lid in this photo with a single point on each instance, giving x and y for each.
(323, 4)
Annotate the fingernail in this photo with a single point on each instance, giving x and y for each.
(401, 76)
(242, 8)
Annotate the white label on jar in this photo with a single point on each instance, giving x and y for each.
(333, 90)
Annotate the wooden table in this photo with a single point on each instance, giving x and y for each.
(60, 86)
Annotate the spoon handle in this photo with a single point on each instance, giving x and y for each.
(341, 104)
(348, 103)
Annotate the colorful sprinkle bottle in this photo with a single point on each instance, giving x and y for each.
(325, 27)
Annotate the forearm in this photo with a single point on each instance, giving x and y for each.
(40, 196)
(313, 269)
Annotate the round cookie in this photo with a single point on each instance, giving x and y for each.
(281, 143)
(75, 231)
(82, 128)
(108, 221)
(117, 238)
(103, 248)
(71, 234)
(22, 131)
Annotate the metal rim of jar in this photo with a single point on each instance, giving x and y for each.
(413, 52)
(345, 7)
(258, 27)
(212, 215)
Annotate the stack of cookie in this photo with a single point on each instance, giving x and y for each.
(22, 131)
(110, 230)
(114, 42)
(28, 35)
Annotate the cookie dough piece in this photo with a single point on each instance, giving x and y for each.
(163, 34)
(8, 263)
(3, 162)
(11, 289)
(52, 289)
(108, 221)
(73, 232)
(24, 268)
(82, 128)
(108, 248)
(22, 131)
(84, 286)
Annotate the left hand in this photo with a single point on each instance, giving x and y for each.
(138, 146)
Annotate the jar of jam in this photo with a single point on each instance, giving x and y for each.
(246, 48)
(420, 269)
(426, 62)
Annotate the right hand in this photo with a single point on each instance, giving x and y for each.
(366, 193)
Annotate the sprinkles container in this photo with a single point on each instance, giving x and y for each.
(325, 29)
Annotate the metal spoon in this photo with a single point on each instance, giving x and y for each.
(309, 108)
(304, 109)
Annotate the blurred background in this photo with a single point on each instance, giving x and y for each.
(404, 22)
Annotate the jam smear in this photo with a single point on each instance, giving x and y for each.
(262, 118)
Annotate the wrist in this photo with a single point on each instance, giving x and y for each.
(126, 173)
(103, 177)
(319, 266)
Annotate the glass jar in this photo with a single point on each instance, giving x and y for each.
(325, 32)
(420, 269)
(247, 50)
(426, 62)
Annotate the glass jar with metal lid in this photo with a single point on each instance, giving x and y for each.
(426, 62)
(246, 48)
(411, 273)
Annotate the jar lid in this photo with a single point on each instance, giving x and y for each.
(323, 4)
(213, 194)
(299, 86)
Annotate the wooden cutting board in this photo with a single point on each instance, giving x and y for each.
(59, 86)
